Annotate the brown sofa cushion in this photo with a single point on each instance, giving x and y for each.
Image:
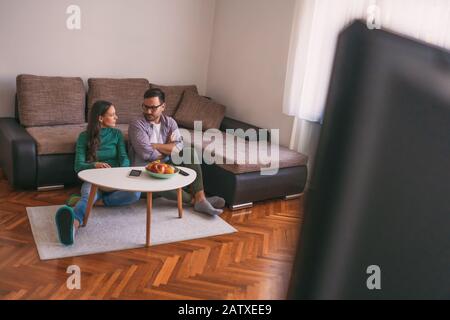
(45, 101)
(287, 158)
(56, 139)
(127, 95)
(61, 139)
(174, 94)
(194, 107)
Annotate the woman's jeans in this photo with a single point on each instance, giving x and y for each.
(110, 199)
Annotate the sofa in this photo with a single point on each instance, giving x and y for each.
(37, 145)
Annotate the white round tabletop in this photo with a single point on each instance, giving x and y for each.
(118, 179)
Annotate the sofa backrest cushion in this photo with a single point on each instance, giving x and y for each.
(174, 94)
(46, 101)
(194, 107)
(126, 95)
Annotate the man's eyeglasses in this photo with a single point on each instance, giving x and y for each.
(151, 108)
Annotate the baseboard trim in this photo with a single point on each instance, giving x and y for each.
(293, 196)
(241, 206)
(50, 188)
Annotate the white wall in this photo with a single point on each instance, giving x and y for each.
(248, 61)
(165, 41)
(233, 50)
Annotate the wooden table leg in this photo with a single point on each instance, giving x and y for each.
(149, 217)
(180, 202)
(90, 204)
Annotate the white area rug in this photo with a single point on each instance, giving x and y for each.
(120, 228)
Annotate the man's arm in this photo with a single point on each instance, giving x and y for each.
(165, 148)
(174, 140)
(140, 141)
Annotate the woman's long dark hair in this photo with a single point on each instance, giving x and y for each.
(93, 129)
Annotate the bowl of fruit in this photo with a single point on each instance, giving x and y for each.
(160, 170)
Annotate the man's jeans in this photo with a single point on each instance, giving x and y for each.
(110, 199)
(197, 185)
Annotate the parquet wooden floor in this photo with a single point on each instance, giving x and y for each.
(254, 263)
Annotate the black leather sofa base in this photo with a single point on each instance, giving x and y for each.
(17, 154)
(244, 188)
(21, 165)
(54, 170)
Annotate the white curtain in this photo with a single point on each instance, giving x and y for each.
(305, 141)
(316, 26)
(427, 20)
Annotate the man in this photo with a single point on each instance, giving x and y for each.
(155, 136)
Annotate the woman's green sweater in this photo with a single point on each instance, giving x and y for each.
(111, 150)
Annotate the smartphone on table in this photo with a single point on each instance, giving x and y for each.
(135, 173)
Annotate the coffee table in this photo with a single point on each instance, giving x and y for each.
(118, 179)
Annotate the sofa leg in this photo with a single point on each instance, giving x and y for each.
(293, 196)
(241, 206)
(50, 188)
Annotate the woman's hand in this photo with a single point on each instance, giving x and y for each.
(102, 165)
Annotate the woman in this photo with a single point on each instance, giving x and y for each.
(100, 146)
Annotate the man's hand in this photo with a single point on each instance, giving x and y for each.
(102, 165)
(171, 138)
(160, 157)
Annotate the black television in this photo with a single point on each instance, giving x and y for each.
(380, 189)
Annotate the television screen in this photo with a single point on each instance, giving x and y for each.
(377, 216)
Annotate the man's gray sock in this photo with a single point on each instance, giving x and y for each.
(206, 207)
(216, 202)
